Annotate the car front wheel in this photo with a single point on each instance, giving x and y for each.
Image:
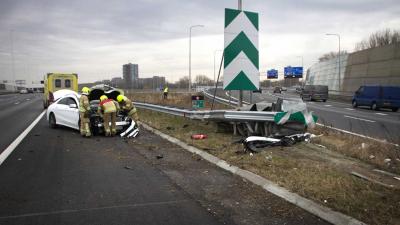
(52, 121)
(354, 103)
(374, 106)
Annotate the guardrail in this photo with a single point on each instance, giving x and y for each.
(217, 115)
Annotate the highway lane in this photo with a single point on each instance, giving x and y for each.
(17, 111)
(383, 124)
(57, 177)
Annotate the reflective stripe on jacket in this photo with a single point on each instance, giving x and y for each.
(84, 104)
(108, 106)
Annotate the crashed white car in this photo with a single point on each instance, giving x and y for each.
(65, 111)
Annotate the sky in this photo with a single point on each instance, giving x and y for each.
(95, 38)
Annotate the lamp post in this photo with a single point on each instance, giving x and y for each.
(13, 59)
(302, 66)
(190, 55)
(215, 51)
(337, 35)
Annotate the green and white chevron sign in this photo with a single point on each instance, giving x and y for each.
(241, 50)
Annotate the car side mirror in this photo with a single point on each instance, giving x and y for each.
(74, 106)
(357, 92)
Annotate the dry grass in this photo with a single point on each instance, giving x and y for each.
(308, 177)
(366, 150)
(174, 99)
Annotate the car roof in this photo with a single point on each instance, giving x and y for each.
(64, 92)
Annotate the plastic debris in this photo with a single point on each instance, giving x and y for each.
(199, 136)
(128, 168)
(258, 143)
(295, 111)
(371, 156)
(131, 131)
(387, 160)
(363, 145)
(321, 146)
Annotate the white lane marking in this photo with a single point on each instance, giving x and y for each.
(382, 114)
(328, 105)
(358, 135)
(28, 99)
(356, 118)
(15, 143)
(16, 103)
(349, 109)
(66, 211)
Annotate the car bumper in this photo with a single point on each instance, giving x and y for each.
(119, 124)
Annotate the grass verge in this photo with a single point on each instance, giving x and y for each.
(308, 177)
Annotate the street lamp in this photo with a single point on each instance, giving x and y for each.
(337, 35)
(12, 58)
(190, 55)
(302, 66)
(215, 51)
(302, 60)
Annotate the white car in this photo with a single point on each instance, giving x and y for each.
(65, 111)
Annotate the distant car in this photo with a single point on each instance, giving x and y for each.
(298, 90)
(277, 90)
(258, 91)
(377, 97)
(283, 88)
(30, 90)
(65, 111)
(314, 92)
(23, 91)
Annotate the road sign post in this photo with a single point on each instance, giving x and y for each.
(241, 57)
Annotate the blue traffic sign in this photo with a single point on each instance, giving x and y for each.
(272, 74)
(293, 72)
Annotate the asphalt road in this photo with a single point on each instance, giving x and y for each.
(55, 176)
(383, 124)
(17, 111)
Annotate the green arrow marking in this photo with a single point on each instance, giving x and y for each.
(241, 82)
(253, 17)
(230, 15)
(240, 43)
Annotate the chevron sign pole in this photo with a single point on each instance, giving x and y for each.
(241, 50)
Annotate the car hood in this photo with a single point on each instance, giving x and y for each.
(96, 93)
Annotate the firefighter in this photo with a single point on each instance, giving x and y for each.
(108, 110)
(166, 92)
(84, 112)
(127, 106)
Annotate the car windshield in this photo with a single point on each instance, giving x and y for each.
(214, 112)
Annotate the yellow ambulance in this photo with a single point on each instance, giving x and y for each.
(57, 81)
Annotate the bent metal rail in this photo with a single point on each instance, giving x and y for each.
(217, 115)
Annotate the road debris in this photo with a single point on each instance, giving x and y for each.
(199, 136)
(257, 143)
(387, 160)
(321, 146)
(128, 168)
(131, 132)
(160, 156)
